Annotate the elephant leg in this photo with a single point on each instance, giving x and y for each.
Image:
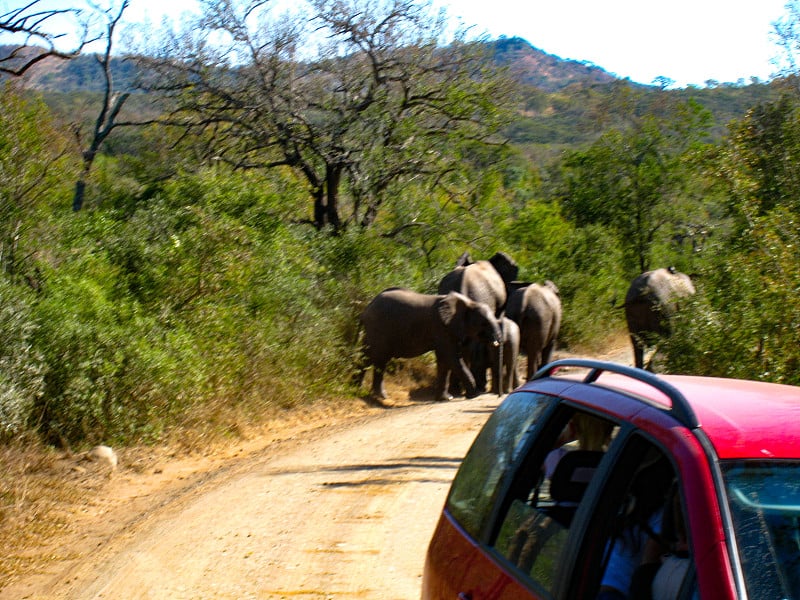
(444, 373)
(455, 385)
(496, 365)
(515, 382)
(378, 390)
(479, 364)
(471, 388)
(638, 352)
(455, 366)
(547, 353)
(510, 375)
(534, 362)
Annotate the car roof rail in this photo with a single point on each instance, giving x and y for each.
(680, 408)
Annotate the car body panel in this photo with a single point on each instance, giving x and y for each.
(738, 416)
(467, 570)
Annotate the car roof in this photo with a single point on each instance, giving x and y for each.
(742, 419)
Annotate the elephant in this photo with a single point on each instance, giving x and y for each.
(507, 379)
(650, 303)
(484, 281)
(537, 310)
(401, 323)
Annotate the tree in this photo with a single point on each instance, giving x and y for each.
(746, 320)
(631, 180)
(33, 161)
(787, 36)
(110, 107)
(359, 97)
(30, 21)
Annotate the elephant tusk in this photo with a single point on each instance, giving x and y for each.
(495, 343)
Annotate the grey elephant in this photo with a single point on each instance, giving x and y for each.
(505, 378)
(537, 310)
(650, 303)
(401, 323)
(485, 281)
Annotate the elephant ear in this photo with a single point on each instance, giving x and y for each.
(464, 260)
(451, 309)
(505, 265)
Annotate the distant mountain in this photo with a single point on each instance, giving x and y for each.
(530, 65)
(544, 71)
(82, 73)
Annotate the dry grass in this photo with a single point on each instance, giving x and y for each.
(55, 506)
(39, 490)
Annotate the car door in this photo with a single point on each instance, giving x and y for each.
(508, 520)
(636, 526)
(536, 526)
(458, 563)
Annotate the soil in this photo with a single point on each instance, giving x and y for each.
(335, 502)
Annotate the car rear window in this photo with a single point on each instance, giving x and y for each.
(764, 497)
(475, 486)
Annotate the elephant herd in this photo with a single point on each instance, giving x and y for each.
(482, 318)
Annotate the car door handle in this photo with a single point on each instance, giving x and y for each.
(464, 596)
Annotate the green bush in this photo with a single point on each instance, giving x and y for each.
(744, 321)
(21, 367)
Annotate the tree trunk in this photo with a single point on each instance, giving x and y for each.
(80, 185)
(326, 199)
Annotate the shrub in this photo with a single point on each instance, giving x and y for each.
(21, 367)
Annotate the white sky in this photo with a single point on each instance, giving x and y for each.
(688, 41)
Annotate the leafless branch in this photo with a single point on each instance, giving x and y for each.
(39, 43)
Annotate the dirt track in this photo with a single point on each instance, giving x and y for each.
(344, 513)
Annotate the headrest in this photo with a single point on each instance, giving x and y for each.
(573, 473)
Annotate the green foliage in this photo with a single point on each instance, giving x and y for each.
(745, 322)
(584, 263)
(632, 181)
(188, 289)
(21, 367)
(33, 166)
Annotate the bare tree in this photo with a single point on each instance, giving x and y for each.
(31, 21)
(110, 107)
(360, 96)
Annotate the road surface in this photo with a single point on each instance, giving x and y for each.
(344, 513)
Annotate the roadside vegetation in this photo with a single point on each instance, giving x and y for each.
(245, 200)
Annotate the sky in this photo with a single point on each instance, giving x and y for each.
(687, 41)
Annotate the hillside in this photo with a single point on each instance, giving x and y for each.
(561, 99)
(546, 72)
(531, 66)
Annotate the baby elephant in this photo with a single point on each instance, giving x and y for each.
(401, 323)
(507, 380)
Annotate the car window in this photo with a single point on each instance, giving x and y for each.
(475, 486)
(637, 543)
(764, 497)
(547, 492)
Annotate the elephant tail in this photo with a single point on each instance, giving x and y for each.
(360, 361)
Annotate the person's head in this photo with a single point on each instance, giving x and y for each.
(592, 433)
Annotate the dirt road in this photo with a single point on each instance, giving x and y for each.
(345, 513)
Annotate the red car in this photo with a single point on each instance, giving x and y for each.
(595, 480)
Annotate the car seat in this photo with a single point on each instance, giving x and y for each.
(570, 479)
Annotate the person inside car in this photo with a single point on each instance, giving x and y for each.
(666, 560)
(640, 522)
(583, 432)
